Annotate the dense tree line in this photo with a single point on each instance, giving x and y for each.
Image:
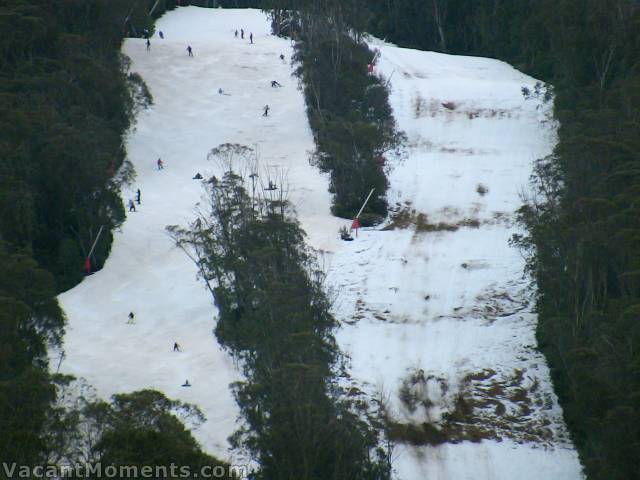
(348, 108)
(583, 215)
(66, 100)
(274, 318)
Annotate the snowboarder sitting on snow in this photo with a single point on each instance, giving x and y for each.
(275, 84)
(345, 235)
(197, 176)
(186, 383)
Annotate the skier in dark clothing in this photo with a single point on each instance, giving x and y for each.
(197, 176)
(190, 51)
(161, 34)
(282, 57)
(275, 84)
(251, 37)
(176, 347)
(160, 164)
(131, 317)
(186, 383)
(138, 196)
(242, 33)
(148, 44)
(266, 111)
(132, 206)
(272, 186)
(236, 34)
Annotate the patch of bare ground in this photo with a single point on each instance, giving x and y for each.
(406, 217)
(417, 142)
(488, 113)
(431, 107)
(493, 304)
(458, 151)
(487, 405)
(499, 218)
(362, 310)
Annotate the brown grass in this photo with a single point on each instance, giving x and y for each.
(407, 217)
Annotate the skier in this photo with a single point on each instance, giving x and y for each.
(186, 383)
(242, 33)
(266, 111)
(275, 84)
(160, 164)
(138, 196)
(189, 51)
(131, 317)
(197, 176)
(220, 91)
(251, 37)
(236, 34)
(148, 45)
(176, 347)
(161, 34)
(282, 57)
(132, 206)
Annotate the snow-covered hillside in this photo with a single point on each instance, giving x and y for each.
(436, 301)
(145, 274)
(437, 290)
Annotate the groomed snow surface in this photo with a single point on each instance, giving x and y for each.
(450, 302)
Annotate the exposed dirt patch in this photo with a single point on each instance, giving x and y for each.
(431, 107)
(487, 405)
(458, 151)
(493, 304)
(406, 217)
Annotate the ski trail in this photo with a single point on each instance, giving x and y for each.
(437, 298)
(145, 274)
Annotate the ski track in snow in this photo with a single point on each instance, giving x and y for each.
(451, 303)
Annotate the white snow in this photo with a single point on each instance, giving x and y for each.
(454, 303)
(145, 274)
(477, 316)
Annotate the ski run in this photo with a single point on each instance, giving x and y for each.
(433, 305)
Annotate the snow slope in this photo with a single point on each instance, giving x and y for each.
(437, 299)
(144, 273)
(477, 315)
